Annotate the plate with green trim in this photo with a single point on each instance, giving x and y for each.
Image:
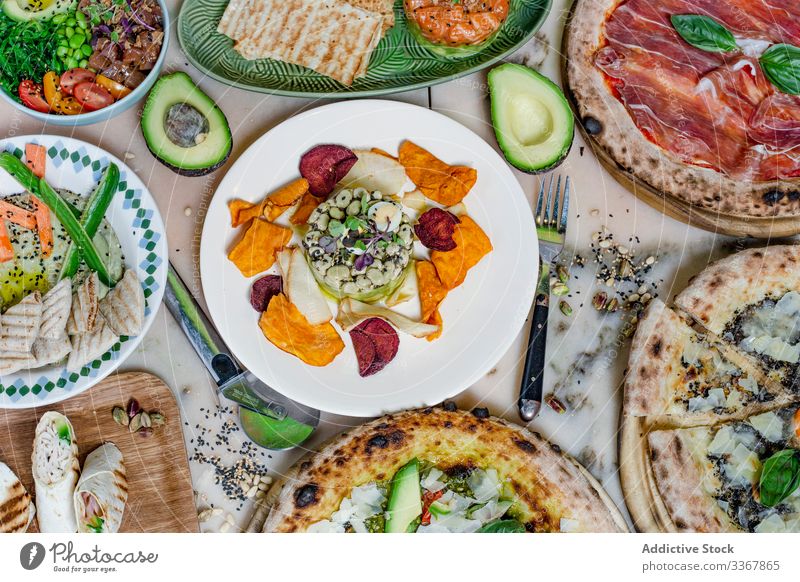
(77, 166)
(399, 63)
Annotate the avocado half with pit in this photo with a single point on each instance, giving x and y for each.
(26, 10)
(183, 127)
(532, 119)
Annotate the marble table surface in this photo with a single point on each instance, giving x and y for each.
(586, 353)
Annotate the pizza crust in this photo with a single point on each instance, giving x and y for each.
(714, 297)
(690, 506)
(548, 484)
(637, 157)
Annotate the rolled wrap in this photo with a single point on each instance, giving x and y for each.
(16, 508)
(55, 473)
(101, 492)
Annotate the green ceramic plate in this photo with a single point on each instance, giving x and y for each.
(399, 63)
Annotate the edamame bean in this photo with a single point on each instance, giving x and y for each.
(84, 63)
(69, 32)
(77, 40)
(72, 62)
(87, 50)
(80, 16)
(63, 42)
(71, 21)
(83, 25)
(62, 51)
(59, 18)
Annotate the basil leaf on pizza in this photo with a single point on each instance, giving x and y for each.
(780, 477)
(704, 32)
(781, 65)
(503, 526)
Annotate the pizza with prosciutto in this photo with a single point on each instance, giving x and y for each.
(707, 127)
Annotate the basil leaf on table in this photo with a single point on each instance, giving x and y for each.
(780, 477)
(781, 65)
(704, 33)
(503, 526)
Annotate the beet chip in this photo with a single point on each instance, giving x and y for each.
(376, 343)
(365, 352)
(435, 229)
(263, 290)
(325, 165)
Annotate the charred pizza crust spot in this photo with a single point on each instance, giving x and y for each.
(448, 424)
(382, 441)
(306, 495)
(450, 406)
(655, 349)
(480, 413)
(525, 446)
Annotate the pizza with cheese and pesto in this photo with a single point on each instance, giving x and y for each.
(712, 385)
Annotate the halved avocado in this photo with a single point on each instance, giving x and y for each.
(183, 127)
(532, 119)
(405, 499)
(25, 10)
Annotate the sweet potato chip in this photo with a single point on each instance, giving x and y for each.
(271, 207)
(308, 203)
(381, 152)
(435, 319)
(284, 198)
(439, 181)
(472, 245)
(243, 211)
(255, 252)
(287, 329)
(431, 289)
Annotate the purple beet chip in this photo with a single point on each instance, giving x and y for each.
(365, 352)
(263, 290)
(325, 165)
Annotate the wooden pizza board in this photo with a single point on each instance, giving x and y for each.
(161, 498)
(717, 222)
(639, 488)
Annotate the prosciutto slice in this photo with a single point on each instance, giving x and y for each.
(713, 110)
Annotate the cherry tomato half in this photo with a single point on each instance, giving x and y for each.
(117, 90)
(50, 85)
(73, 78)
(67, 105)
(92, 96)
(32, 96)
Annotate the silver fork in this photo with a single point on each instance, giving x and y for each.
(552, 210)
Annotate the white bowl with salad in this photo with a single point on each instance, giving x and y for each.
(78, 62)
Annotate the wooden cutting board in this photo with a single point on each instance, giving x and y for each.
(161, 498)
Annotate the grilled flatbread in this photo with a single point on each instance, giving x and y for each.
(332, 38)
(102, 491)
(56, 307)
(681, 377)
(16, 508)
(20, 325)
(85, 307)
(11, 362)
(88, 347)
(49, 351)
(123, 307)
(474, 458)
(383, 7)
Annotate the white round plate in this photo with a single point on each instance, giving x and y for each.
(77, 166)
(481, 317)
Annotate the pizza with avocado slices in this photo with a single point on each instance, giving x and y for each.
(440, 470)
(710, 438)
(736, 476)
